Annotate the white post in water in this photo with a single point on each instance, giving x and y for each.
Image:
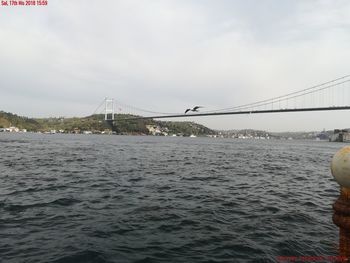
(341, 217)
(109, 109)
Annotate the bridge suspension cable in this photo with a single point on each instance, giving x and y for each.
(313, 89)
(142, 110)
(96, 111)
(321, 96)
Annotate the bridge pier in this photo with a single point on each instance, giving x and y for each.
(112, 125)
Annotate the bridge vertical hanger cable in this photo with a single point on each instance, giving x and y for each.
(324, 90)
(98, 108)
(133, 108)
(328, 84)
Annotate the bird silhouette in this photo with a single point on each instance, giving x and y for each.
(194, 109)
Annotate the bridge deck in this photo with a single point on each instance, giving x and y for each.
(241, 112)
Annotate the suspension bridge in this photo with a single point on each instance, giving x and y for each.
(332, 95)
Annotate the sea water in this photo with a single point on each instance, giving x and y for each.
(99, 198)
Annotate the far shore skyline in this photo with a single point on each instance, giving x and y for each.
(199, 122)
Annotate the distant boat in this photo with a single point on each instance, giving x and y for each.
(193, 136)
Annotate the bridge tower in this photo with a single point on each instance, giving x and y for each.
(109, 113)
(109, 109)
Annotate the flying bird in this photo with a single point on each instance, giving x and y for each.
(195, 109)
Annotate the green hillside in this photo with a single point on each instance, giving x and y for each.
(9, 119)
(96, 123)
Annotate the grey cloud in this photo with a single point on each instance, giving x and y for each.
(168, 55)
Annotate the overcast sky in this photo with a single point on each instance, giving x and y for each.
(167, 55)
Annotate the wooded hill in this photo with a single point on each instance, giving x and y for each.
(96, 123)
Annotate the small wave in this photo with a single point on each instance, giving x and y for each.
(164, 189)
(136, 179)
(122, 231)
(301, 178)
(60, 202)
(147, 209)
(38, 189)
(19, 208)
(296, 217)
(101, 234)
(86, 256)
(13, 141)
(145, 260)
(272, 209)
(189, 222)
(229, 204)
(168, 228)
(168, 173)
(65, 201)
(310, 204)
(197, 178)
